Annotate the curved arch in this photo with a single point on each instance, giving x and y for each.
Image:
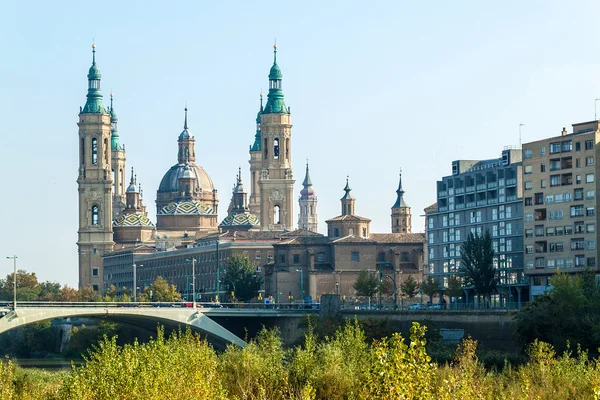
(195, 319)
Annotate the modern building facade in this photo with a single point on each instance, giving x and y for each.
(479, 196)
(559, 202)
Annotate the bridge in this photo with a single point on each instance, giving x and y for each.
(148, 315)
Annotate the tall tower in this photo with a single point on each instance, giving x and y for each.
(256, 165)
(308, 205)
(95, 235)
(401, 217)
(276, 180)
(347, 201)
(117, 163)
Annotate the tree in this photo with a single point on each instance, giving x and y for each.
(160, 290)
(49, 291)
(240, 278)
(477, 263)
(367, 284)
(387, 286)
(88, 294)
(455, 287)
(430, 287)
(409, 287)
(68, 293)
(110, 295)
(27, 286)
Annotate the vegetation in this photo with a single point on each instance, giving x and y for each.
(344, 365)
(455, 288)
(160, 290)
(568, 314)
(367, 284)
(240, 278)
(477, 266)
(409, 287)
(431, 288)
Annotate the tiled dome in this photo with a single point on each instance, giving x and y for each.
(132, 220)
(186, 208)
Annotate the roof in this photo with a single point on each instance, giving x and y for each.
(241, 219)
(354, 239)
(186, 208)
(169, 182)
(131, 220)
(398, 237)
(349, 218)
(431, 208)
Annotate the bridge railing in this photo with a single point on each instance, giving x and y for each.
(199, 305)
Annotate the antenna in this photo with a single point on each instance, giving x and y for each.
(595, 107)
(520, 125)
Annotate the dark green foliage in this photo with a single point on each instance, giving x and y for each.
(367, 284)
(477, 267)
(409, 287)
(431, 288)
(241, 278)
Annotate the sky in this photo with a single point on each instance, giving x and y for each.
(374, 87)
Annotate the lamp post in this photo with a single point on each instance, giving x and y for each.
(14, 258)
(193, 282)
(301, 283)
(218, 283)
(134, 282)
(380, 284)
(337, 288)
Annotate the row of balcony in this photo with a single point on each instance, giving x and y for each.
(478, 188)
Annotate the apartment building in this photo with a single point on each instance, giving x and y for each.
(559, 203)
(480, 195)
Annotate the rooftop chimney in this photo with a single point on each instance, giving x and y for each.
(564, 131)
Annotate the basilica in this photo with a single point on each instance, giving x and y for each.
(114, 224)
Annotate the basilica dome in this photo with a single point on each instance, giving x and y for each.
(169, 182)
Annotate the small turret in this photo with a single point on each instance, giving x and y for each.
(275, 102)
(401, 216)
(348, 200)
(94, 103)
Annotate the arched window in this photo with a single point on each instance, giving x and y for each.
(287, 150)
(82, 161)
(266, 147)
(94, 151)
(95, 215)
(311, 210)
(336, 232)
(277, 215)
(350, 231)
(105, 151)
(276, 148)
(397, 222)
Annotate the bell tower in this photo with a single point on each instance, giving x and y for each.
(256, 165)
(307, 219)
(95, 234)
(276, 180)
(118, 165)
(401, 216)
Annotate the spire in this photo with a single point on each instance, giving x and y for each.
(115, 141)
(307, 190)
(347, 189)
(256, 146)
(275, 103)
(132, 188)
(94, 103)
(400, 192)
(185, 134)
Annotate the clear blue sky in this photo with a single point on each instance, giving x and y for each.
(373, 87)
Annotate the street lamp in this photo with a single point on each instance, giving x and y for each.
(135, 281)
(301, 283)
(337, 288)
(193, 282)
(218, 273)
(14, 258)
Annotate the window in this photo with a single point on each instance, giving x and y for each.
(539, 198)
(529, 217)
(94, 271)
(95, 215)
(529, 249)
(355, 256)
(404, 256)
(543, 183)
(276, 148)
(591, 261)
(364, 232)
(528, 169)
(579, 260)
(431, 238)
(577, 163)
(94, 151)
(560, 231)
(567, 145)
(543, 168)
(590, 211)
(282, 258)
(95, 287)
(549, 199)
(539, 230)
(568, 230)
(542, 151)
(591, 244)
(554, 180)
(590, 228)
(320, 257)
(589, 161)
(590, 194)
(577, 244)
(336, 232)
(528, 185)
(296, 258)
(589, 178)
(589, 144)
(578, 179)
(577, 211)
(554, 147)
(555, 164)
(528, 201)
(257, 255)
(528, 233)
(527, 153)
(549, 231)
(430, 222)
(578, 194)
(579, 227)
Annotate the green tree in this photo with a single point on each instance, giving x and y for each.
(409, 287)
(455, 288)
(240, 277)
(49, 291)
(160, 290)
(477, 266)
(87, 293)
(111, 294)
(27, 286)
(367, 284)
(430, 287)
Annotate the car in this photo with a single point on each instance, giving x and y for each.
(417, 307)
(435, 307)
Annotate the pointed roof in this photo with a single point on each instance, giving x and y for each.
(186, 133)
(94, 103)
(115, 141)
(400, 199)
(257, 137)
(307, 190)
(132, 188)
(347, 189)
(275, 103)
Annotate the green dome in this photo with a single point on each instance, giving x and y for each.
(94, 72)
(94, 103)
(275, 72)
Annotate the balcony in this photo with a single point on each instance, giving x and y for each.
(459, 190)
(471, 204)
(492, 185)
(470, 189)
(511, 182)
(482, 202)
(442, 193)
(492, 201)
(481, 187)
